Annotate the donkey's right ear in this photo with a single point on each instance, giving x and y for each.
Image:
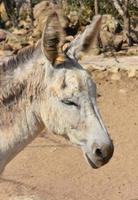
(53, 40)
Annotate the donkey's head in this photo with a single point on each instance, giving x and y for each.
(69, 107)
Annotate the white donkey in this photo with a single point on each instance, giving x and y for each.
(45, 87)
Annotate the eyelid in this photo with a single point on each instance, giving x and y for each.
(70, 102)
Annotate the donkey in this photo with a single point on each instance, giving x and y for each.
(44, 87)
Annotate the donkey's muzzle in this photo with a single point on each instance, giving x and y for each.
(99, 155)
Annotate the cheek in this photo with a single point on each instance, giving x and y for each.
(69, 117)
(61, 119)
(72, 118)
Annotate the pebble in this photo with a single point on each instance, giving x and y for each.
(25, 198)
(3, 35)
(116, 76)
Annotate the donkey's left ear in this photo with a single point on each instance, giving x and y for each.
(53, 40)
(84, 41)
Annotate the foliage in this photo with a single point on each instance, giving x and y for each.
(105, 6)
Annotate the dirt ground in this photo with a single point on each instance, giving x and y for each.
(51, 169)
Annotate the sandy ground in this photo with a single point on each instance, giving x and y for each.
(51, 169)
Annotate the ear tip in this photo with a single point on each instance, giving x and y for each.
(52, 18)
(53, 14)
(98, 17)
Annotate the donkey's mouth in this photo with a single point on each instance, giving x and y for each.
(90, 162)
(95, 163)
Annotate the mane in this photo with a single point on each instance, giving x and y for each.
(16, 91)
(23, 55)
(8, 85)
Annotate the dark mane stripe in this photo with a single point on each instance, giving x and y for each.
(24, 55)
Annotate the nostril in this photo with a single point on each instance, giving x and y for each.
(98, 152)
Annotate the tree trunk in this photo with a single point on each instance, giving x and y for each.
(127, 28)
(122, 8)
(31, 11)
(10, 10)
(118, 7)
(96, 6)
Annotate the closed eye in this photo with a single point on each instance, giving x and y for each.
(69, 102)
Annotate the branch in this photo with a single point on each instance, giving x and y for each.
(118, 7)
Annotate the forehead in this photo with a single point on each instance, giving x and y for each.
(72, 77)
(76, 78)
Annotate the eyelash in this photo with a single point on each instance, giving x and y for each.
(69, 103)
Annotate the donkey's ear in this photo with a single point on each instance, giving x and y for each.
(85, 40)
(53, 40)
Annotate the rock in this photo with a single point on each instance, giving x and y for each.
(3, 35)
(2, 53)
(109, 23)
(5, 54)
(118, 42)
(41, 7)
(74, 18)
(131, 73)
(8, 24)
(106, 39)
(65, 46)
(94, 50)
(23, 24)
(24, 9)
(69, 38)
(107, 34)
(113, 69)
(134, 36)
(7, 47)
(134, 22)
(116, 76)
(79, 15)
(20, 31)
(13, 42)
(41, 11)
(111, 41)
(132, 51)
(123, 91)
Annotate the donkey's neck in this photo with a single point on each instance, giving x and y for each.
(21, 87)
(21, 134)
